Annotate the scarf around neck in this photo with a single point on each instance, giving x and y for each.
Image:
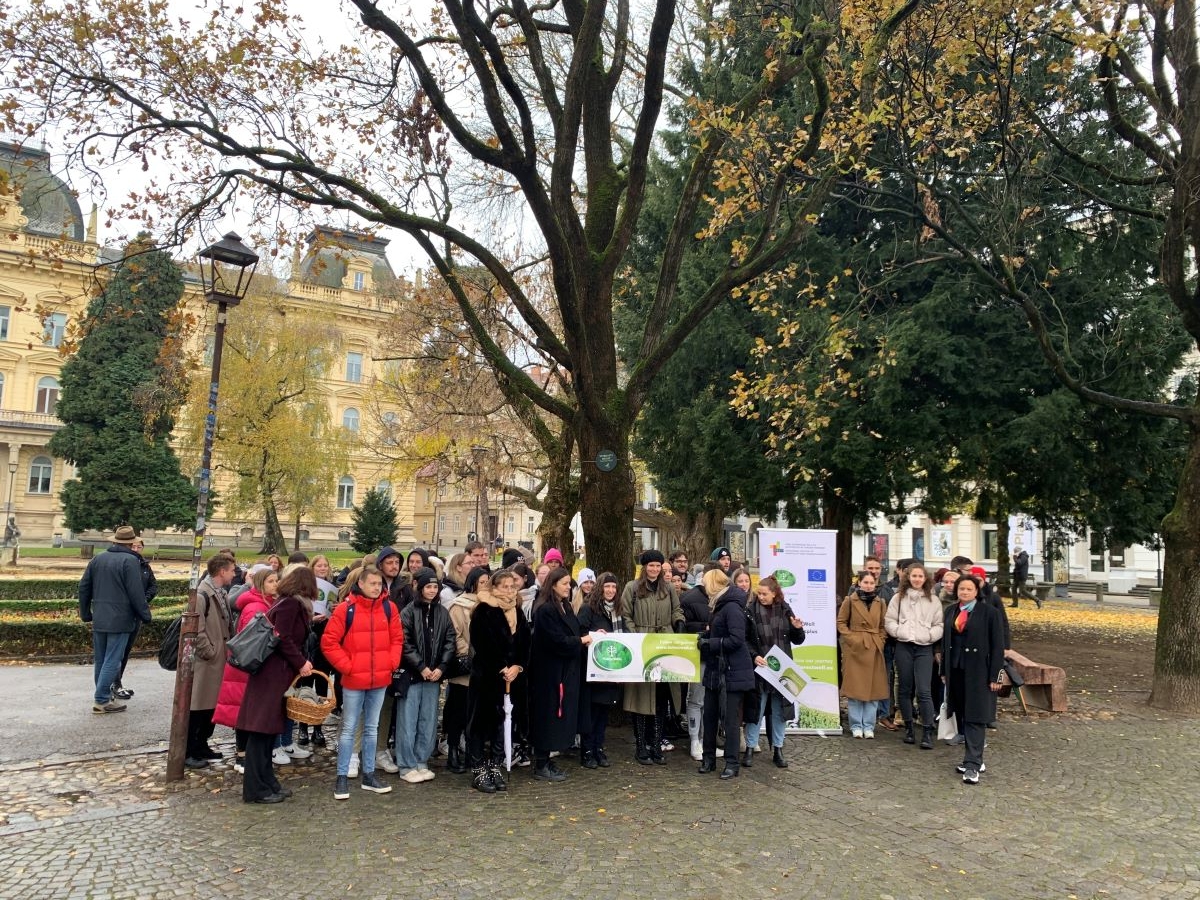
(509, 608)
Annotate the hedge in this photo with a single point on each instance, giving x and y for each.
(66, 637)
(68, 588)
(57, 608)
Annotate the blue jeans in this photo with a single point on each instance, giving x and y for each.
(285, 737)
(364, 705)
(108, 649)
(780, 713)
(862, 714)
(416, 727)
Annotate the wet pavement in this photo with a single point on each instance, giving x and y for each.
(1101, 802)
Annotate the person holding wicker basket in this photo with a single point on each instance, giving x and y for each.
(262, 711)
(364, 641)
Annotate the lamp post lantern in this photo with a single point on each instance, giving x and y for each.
(226, 270)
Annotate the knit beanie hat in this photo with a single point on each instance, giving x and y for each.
(510, 558)
(718, 553)
(423, 577)
(552, 557)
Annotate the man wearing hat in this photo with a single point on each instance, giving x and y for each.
(112, 599)
(722, 558)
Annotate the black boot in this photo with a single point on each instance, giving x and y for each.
(602, 759)
(588, 759)
(456, 761)
(908, 733)
(777, 756)
(707, 764)
(639, 736)
(927, 737)
(730, 771)
(543, 772)
(748, 757)
(302, 740)
(482, 780)
(654, 738)
(318, 737)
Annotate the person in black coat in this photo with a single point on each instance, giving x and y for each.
(603, 613)
(430, 645)
(728, 670)
(972, 658)
(500, 652)
(555, 661)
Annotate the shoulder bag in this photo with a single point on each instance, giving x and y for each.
(253, 645)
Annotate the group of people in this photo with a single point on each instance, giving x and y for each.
(943, 637)
(509, 646)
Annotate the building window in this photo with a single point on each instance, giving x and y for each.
(345, 497)
(5, 313)
(457, 523)
(991, 546)
(424, 528)
(354, 364)
(1, 390)
(54, 329)
(442, 525)
(47, 395)
(428, 496)
(529, 528)
(384, 489)
(389, 429)
(350, 419)
(510, 526)
(39, 475)
(360, 280)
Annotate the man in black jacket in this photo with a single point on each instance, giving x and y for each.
(112, 599)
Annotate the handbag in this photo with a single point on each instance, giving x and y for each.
(459, 666)
(401, 679)
(253, 645)
(947, 725)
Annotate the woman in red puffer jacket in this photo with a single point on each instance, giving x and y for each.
(258, 598)
(366, 652)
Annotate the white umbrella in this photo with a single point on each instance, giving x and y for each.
(508, 708)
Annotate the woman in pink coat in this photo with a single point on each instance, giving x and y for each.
(256, 599)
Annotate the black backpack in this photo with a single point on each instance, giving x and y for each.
(168, 653)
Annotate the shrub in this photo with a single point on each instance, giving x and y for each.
(68, 588)
(33, 637)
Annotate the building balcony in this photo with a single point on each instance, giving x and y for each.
(29, 421)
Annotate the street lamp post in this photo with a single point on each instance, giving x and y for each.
(8, 516)
(226, 269)
(478, 452)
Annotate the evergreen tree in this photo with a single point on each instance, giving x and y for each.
(375, 523)
(117, 406)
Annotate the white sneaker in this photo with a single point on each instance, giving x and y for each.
(297, 752)
(412, 776)
(426, 774)
(697, 751)
(383, 760)
(720, 753)
(856, 732)
(353, 765)
(239, 768)
(280, 758)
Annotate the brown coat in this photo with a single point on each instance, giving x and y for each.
(209, 666)
(653, 613)
(861, 635)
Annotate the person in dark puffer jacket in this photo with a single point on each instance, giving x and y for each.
(365, 653)
(428, 653)
(728, 669)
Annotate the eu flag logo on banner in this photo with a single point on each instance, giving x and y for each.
(817, 575)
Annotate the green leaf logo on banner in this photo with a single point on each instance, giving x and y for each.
(785, 578)
(612, 655)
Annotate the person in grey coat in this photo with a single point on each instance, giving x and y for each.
(112, 599)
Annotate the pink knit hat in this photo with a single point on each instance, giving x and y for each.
(552, 556)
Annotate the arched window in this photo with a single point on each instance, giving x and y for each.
(350, 419)
(39, 475)
(345, 495)
(384, 489)
(47, 395)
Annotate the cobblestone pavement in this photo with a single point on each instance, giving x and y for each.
(1090, 804)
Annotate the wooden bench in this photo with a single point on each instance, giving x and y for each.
(1045, 686)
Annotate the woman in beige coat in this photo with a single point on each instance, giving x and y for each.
(651, 607)
(914, 619)
(861, 635)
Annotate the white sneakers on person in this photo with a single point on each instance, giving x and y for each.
(412, 776)
(383, 760)
(353, 765)
(296, 752)
(280, 758)
(426, 773)
(697, 751)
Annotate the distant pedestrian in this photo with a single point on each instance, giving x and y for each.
(150, 583)
(112, 599)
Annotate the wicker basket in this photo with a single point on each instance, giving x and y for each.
(307, 712)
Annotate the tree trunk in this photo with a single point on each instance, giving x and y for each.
(838, 515)
(273, 541)
(606, 499)
(1003, 562)
(1177, 653)
(700, 533)
(558, 508)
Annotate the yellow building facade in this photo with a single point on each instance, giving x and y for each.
(51, 265)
